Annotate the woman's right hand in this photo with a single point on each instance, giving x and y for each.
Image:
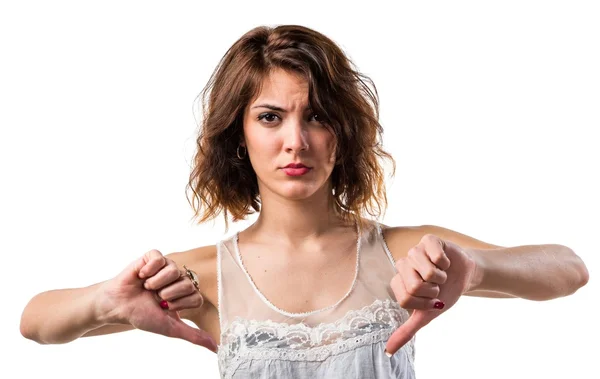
(134, 296)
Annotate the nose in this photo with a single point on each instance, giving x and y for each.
(296, 137)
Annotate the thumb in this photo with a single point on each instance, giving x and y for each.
(180, 329)
(407, 331)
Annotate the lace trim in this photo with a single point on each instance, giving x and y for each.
(245, 339)
(304, 314)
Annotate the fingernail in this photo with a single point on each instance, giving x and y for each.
(389, 355)
(164, 304)
(439, 305)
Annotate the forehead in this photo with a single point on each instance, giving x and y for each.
(283, 87)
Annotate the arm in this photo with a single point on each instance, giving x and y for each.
(61, 316)
(536, 272)
(444, 265)
(401, 239)
(533, 272)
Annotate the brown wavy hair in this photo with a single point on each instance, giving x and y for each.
(337, 92)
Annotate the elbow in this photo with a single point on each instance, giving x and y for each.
(30, 334)
(26, 329)
(584, 275)
(579, 273)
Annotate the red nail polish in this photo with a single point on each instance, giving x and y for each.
(164, 304)
(439, 305)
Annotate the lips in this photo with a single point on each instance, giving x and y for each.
(296, 165)
(296, 169)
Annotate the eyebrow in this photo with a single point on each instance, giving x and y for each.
(275, 108)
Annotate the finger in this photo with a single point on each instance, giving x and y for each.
(180, 288)
(154, 262)
(435, 248)
(167, 275)
(406, 300)
(428, 271)
(180, 329)
(187, 302)
(141, 262)
(415, 286)
(406, 331)
(138, 264)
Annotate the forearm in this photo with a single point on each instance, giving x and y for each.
(61, 316)
(533, 272)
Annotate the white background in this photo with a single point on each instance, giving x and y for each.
(489, 108)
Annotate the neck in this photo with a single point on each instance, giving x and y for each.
(297, 221)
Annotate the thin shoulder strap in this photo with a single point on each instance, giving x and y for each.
(234, 293)
(219, 279)
(380, 229)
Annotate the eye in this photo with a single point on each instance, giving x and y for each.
(268, 117)
(317, 118)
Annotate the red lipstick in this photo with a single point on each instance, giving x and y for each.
(296, 169)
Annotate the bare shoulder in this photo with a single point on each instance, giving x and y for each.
(400, 239)
(203, 261)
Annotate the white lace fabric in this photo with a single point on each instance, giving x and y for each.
(346, 339)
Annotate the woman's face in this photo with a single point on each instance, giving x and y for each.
(291, 151)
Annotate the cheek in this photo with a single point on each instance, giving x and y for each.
(262, 147)
(331, 148)
(265, 144)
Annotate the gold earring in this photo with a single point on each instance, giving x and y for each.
(238, 152)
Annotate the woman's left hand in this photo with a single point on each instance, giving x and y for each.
(430, 280)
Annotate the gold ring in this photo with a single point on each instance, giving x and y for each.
(193, 277)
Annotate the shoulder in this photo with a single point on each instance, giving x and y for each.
(400, 239)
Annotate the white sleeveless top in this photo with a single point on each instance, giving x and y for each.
(344, 340)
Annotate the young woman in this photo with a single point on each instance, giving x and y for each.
(316, 287)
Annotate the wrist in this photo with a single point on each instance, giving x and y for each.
(103, 312)
(479, 271)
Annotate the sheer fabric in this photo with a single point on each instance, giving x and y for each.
(344, 340)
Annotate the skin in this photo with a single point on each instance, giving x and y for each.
(298, 230)
(280, 129)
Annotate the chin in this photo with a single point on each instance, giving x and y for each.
(297, 193)
(298, 190)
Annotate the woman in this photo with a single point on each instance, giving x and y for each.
(316, 287)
